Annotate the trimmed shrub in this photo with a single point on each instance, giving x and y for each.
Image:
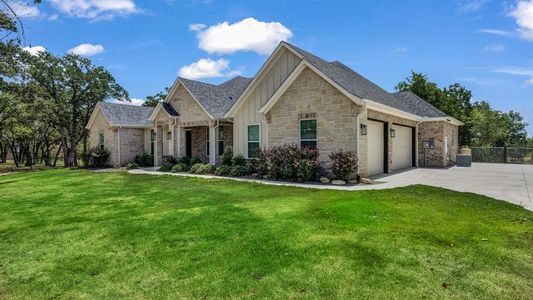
(165, 168)
(227, 156)
(195, 168)
(179, 167)
(171, 160)
(132, 166)
(239, 171)
(223, 170)
(195, 160)
(238, 160)
(186, 160)
(202, 168)
(287, 162)
(144, 160)
(343, 164)
(98, 157)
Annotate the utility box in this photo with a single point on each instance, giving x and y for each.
(464, 160)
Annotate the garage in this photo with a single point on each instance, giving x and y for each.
(402, 147)
(376, 146)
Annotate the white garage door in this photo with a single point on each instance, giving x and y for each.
(375, 147)
(402, 148)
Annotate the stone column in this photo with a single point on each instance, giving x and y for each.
(172, 139)
(156, 146)
(212, 144)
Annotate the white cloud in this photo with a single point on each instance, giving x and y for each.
(86, 49)
(496, 32)
(207, 68)
(517, 71)
(470, 6)
(523, 14)
(24, 10)
(246, 35)
(96, 9)
(494, 48)
(197, 27)
(134, 101)
(34, 50)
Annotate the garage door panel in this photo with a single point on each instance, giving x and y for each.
(402, 148)
(376, 147)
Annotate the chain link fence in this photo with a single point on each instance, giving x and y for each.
(504, 155)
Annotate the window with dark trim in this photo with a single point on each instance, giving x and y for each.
(207, 141)
(253, 140)
(220, 140)
(308, 137)
(101, 140)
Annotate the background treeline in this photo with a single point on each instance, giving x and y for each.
(484, 126)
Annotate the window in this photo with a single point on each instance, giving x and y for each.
(169, 135)
(207, 141)
(308, 134)
(253, 140)
(152, 135)
(101, 140)
(220, 140)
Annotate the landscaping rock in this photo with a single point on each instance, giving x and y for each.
(366, 181)
(324, 179)
(338, 182)
(353, 181)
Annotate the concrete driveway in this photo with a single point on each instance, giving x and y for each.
(508, 182)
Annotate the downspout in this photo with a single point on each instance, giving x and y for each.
(357, 134)
(118, 146)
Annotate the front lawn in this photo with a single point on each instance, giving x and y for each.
(78, 234)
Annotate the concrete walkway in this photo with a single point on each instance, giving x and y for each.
(511, 183)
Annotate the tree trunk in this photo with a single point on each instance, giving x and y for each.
(57, 154)
(14, 154)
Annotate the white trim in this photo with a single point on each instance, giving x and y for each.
(452, 120)
(258, 141)
(390, 110)
(265, 68)
(300, 132)
(93, 117)
(159, 107)
(358, 137)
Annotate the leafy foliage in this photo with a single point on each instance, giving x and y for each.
(200, 168)
(227, 156)
(239, 170)
(99, 157)
(144, 160)
(132, 166)
(223, 170)
(238, 160)
(287, 162)
(343, 164)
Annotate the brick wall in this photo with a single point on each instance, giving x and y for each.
(437, 157)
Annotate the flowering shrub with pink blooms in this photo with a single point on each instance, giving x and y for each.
(344, 164)
(287, 162)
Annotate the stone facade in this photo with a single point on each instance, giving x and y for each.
(388, 119)
(437, 156)
(311, 95)
(101, 125)
(131, 144)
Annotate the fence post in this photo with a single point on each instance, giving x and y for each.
(505, 154)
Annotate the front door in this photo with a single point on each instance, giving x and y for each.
(188, 143)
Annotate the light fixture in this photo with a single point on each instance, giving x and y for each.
(392, 133)
(363, 129)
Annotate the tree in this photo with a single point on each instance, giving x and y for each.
(152, 101)
(74, 86)
(516, 129)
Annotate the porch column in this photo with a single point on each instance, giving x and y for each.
(172, 139)
(156, 146)
(178, 136)
(212, 144)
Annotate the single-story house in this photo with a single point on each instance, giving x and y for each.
(296, 97)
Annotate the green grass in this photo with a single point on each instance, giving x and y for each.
(78, 234)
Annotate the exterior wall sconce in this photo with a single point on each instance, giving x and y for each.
(392, 133)
(363, 129)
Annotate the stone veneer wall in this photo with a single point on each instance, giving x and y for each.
(437, 157)
(228, 140)
(101, 124)
(334, 112)
(131, 144)
(387, 118)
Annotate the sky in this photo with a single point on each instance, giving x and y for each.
(486, 45)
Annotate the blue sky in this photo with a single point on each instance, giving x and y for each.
(485, 45)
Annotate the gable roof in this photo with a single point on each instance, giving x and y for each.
(126, 115)
(418, 106)
(216, 99)
(169, 109)
(352, 81)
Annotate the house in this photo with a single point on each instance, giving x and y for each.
(296, 97)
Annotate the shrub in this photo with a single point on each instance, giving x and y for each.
(171, 160)
(223, 170)
(144, 160)
(195, 168)
(165, 168)
(287, 162)
(343, 164)
(195, 160)
(98, 157)
(238, 160)
(239, 171)
(227, 156)
(179, 167)
(186, 160)
(132, 166)
(202, 168)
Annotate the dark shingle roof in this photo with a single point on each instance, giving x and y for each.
(126, 115)
(217, 99)
(363, 88)
(418, 106)
(169, 109)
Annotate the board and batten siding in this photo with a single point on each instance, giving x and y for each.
(248, 113)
